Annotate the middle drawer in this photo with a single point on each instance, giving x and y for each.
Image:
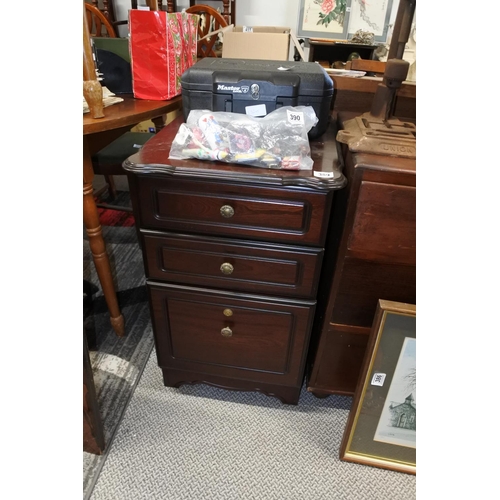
(232, 264)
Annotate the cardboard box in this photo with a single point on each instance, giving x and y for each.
(257, 42)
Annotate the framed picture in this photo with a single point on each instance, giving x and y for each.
(370, 16)
(328, 19)
(382, 424)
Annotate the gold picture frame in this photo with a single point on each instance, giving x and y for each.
(381, 428)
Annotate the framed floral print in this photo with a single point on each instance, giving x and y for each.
(328, 19)
(382, 424)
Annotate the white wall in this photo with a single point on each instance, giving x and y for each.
(250, 13)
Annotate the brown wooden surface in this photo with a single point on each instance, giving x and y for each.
(98, 20)
(261, 213)
(268, 337)
(368, 84)
(107, 9)
(154, 157)
(153, 4)
(375, 237)
(343, 350)
(176, 378)
(356, 95)
(228, 8)
(367, 65)
(274, 242)
(93, 432)
(257, 268)
(97, 133)
(128, 113)
(360, 281)
(209, 20)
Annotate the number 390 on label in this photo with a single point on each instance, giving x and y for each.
(296, 117)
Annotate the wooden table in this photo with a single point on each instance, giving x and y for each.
(97, 133)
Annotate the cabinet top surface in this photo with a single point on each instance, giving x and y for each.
(326, 174)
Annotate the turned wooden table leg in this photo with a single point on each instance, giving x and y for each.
(97, 245)
(93, 430)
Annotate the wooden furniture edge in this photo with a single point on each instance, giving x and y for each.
(114, 118)
(369, 84)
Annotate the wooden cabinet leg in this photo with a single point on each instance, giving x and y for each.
(97, 245)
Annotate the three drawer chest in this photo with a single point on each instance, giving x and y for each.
(233, 256)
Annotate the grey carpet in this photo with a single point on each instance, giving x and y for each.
(117, 363)
(200, 442)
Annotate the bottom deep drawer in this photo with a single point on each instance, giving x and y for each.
(232, 335)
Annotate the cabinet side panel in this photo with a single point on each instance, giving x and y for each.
(339, 360)
(384, 227)
(363, 283)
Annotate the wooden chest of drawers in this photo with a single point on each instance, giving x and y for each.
(375, 234)
(232, 257)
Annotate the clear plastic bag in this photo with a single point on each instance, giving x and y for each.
(277, 140)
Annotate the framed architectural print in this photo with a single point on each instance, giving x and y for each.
(382, 424)
(328, 19)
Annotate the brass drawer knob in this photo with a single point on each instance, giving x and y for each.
(226, 332)
(226, 268)
(227, 312)
(227, 211)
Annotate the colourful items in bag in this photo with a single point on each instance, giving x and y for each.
(275, 141)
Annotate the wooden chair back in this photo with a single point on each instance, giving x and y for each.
(209, 20)
(107, 7)
(98, 23)
(228, 9)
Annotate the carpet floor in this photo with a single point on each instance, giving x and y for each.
(117, 363)
(200, 442)
(204, 443)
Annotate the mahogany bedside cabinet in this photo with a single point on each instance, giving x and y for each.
(232, 257)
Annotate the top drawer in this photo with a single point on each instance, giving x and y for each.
(277, 214)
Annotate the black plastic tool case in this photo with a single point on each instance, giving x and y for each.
(233, 85)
